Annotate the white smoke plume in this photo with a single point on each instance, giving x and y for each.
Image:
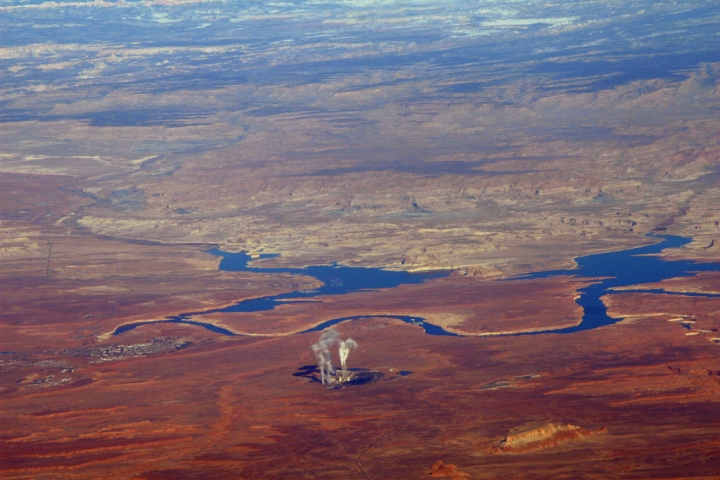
(321, 349)
(323, 355)
(344, 350)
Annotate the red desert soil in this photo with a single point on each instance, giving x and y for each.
(97, 235)
(700, 316)
(703, 282)
(224, 407)
(176, 401)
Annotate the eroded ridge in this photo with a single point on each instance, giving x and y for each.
(528, 439)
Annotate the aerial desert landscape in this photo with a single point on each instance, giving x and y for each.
(344, 239)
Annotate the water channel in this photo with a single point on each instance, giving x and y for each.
(622, 268)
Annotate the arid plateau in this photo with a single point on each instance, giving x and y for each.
(505, 217)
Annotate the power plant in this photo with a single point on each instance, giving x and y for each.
(328, 374)
(340, 376)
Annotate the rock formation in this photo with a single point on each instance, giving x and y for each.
(531, 438)
(440, 469)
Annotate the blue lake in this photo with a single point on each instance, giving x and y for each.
(613, 269)
(625, 268)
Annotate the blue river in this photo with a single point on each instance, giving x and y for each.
(622, 268)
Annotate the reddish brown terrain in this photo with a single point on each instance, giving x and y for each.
(484, 142)
(177, 401)
(229, 408)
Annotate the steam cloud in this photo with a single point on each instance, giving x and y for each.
(321, 349)
(345, 346)
(323, 355)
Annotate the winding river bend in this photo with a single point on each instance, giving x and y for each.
(614, 269)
